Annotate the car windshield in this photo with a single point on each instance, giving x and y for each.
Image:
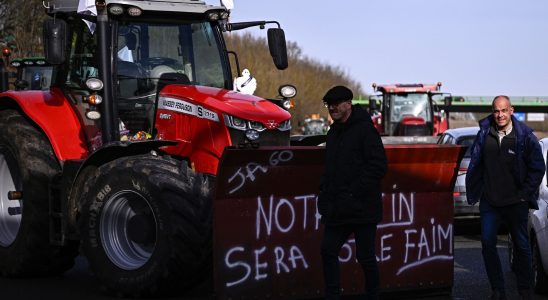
(38, 77)
(414, 104)
(146, 51)
(467, 141)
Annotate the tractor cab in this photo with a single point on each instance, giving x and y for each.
(123, 54)
(408, 109)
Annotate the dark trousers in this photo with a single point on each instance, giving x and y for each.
(333, 239)
(515, 217)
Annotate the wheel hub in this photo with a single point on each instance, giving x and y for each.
(141, 229)
(128, 229)
(10, 210)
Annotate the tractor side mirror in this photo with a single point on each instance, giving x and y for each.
(277, 47)
(373, 103)
(55, 39)
(447, 100)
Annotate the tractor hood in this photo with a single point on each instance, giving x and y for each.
(222, 101)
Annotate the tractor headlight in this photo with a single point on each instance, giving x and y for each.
(252, 134)
(285, 126)
(234, 122)
(287, 91)
(241, 124)
(256, 126)
(213, 16)
(116, 9)
(224, 15)
(93, 115)
(134, 11)
(94, 84)
(238, 123)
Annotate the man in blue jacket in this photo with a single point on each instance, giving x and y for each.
(350, 199)
(505, 171)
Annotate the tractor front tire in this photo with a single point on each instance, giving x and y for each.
(146, 226)
(27, 163)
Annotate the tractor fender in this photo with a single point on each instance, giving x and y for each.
(116, 150)
(54, 115)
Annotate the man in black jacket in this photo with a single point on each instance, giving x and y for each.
(350, 192)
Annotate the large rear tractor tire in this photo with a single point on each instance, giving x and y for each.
(146, 226)
(27, 163)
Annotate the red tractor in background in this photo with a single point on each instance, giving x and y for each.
(118, 157)
(409, 109)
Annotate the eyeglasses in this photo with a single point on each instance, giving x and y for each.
(333, 104)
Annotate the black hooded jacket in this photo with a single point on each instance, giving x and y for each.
(350, 191)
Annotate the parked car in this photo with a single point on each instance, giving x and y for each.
(465, 137)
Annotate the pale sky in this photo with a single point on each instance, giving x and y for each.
(474, 47)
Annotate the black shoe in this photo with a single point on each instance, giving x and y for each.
(525, 294)
(498, 295)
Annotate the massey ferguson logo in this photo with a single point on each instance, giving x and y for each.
(270, 124)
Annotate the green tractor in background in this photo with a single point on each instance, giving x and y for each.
(33, 73)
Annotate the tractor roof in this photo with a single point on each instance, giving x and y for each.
(188, 6)
(407, 88)
(29, 61)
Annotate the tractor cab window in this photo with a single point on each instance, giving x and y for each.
(415, 105)
(37, 77)
(82, 63)
(146, 51)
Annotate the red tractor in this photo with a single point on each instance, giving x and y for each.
(119, 156)
(409, 109)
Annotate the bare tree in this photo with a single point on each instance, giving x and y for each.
(21, 26)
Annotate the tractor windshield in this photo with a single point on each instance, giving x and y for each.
(414, 104)
(37, 77)
(146, 51)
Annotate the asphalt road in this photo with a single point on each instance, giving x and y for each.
(470, 281)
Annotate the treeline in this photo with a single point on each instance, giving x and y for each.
(311, 77)
(21, 26)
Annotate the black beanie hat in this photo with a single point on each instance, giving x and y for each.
(337, 94)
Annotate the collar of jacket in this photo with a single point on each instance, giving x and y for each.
(357, 115)
(521, 129)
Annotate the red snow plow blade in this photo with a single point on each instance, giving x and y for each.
(267, 231)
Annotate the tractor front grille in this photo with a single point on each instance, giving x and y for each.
(266, 138)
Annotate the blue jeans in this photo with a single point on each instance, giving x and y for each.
(333, 239)
(515, 217)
